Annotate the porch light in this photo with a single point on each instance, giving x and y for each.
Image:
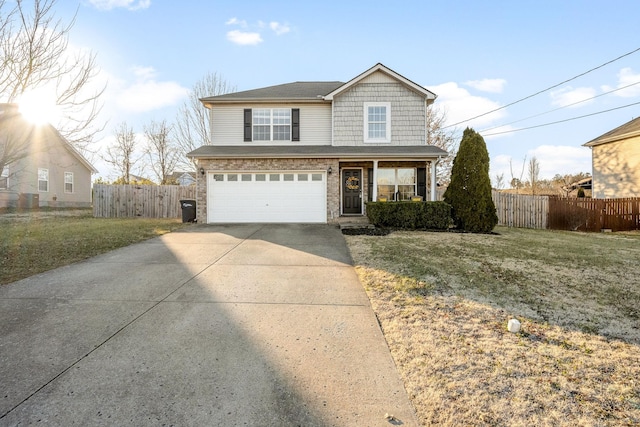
(329, 170)
(202, 171)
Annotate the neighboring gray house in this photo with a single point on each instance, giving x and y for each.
(615, 158)
(311, 152)
(43, 169)
(183, 179)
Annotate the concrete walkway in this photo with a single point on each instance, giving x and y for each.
(256, 325)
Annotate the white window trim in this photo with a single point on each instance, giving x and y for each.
(271, 125)
(47, 180)
(66, 174)
(365, 114)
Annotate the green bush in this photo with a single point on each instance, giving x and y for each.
(469, 192)
(410, 215)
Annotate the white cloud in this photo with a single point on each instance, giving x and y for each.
(460, 105)
(626, 77)
(244, 38)
(487, 85)
(236, 21)
(562, 159)
(147, 94)
(568, 96)
(553, 159)
(279, 28)
(128, 4)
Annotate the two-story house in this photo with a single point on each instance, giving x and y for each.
(310, 152)
(42, 168)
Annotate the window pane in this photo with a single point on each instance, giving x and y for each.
(43, 174)
(377, 130)
(232, 177)
(406, 191)
(406, 176)
(316, 177)
(246, 177)
(68, 182)
(281, 116)
(288, 177)
(261, 177)
(218, 177)
(261, 116)
(274, 177)
(281, 133)
(261, 133)
(303, 177)
(387, 191)
(386, 176)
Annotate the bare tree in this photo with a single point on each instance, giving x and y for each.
(534, 173)
(441, 138)
(499, 180)
(516, 182)
(34, 54)
(162, 153)
(121, 155)
(193, 122)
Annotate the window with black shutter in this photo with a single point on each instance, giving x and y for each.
(247, 124)
(295, 124)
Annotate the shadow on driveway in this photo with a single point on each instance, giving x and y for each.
(215, 325)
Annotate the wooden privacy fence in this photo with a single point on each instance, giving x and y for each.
(149, 201)
(594, 214)
(521, 211)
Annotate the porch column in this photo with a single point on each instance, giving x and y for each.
(374, 195)
(433, 180)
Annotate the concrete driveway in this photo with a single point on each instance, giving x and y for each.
(256, 325)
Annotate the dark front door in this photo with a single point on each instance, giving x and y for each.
(352, 191)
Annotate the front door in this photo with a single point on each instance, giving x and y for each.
(352, 191)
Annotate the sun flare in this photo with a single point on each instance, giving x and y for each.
(39, 107)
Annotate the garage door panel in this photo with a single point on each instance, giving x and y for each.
(270, 200)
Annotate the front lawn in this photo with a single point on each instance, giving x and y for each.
(444, 300)
(39, 241)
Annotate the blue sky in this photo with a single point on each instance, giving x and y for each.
(476, 56)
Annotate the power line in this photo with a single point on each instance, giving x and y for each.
(560, 108)
(544, 90)
(562, 121)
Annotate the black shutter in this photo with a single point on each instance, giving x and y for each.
(247, 124)
(422, 183)
(370, 183)
(295, 124)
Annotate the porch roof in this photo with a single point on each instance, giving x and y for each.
(376, 152)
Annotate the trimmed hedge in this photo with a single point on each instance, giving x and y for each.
(410, 215)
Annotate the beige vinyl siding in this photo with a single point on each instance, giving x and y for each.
(616, 169)
(408, 111)
(227, 124)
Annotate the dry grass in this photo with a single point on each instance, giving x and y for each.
(38, 241)
(444, 299)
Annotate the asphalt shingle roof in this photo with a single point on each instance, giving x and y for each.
(296, 90)
(620, 132)
(316, 151)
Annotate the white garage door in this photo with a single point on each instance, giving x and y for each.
(296, 196)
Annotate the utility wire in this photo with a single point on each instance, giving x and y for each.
(562, 121)
(544, 90)
(560, 108)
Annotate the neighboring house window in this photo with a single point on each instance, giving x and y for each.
(272, 124)
(377, 122)
(4, 178)
(397, 184)
(68, 182)
(43, 180)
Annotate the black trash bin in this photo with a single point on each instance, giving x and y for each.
(188, 210)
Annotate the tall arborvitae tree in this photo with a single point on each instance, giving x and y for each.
(469, 192)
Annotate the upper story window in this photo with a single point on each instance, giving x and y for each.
(4, 178)
(43, 180)
(68, 182)
(272, 124)
(377, 122)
